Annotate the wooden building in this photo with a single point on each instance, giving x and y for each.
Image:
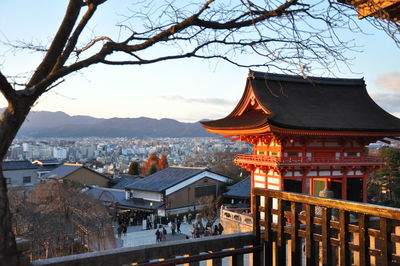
(308, 133)
(173, 190)
(79, 174)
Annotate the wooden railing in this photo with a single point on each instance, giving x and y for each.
(289, 161)
(192, 251)
(307, 230)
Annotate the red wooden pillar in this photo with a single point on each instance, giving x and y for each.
(364, 189)
(311, 186)
(304, 185)
(344, 188)
(251, 187)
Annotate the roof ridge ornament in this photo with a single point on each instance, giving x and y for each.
(251, 74)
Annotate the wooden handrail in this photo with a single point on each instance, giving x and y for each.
(240, 243)
(350, 206)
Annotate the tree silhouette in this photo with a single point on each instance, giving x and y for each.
(387, 178)
(153, 169)
(60, 220)
(134, 168)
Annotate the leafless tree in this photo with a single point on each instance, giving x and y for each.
(219, 162)
(286, 34)
(60, 220)
(209, 208)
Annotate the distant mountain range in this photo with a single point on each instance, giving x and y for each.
(60, 124)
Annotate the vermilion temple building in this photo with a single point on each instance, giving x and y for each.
(308, 133)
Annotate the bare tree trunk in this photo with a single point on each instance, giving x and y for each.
(7, 239)
(10, 122)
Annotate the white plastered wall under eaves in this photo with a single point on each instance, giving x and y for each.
(147, 195)
(194, 179)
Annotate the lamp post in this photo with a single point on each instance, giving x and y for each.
(152, 214)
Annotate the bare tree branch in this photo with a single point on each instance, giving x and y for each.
(104, 38)
(6, 89)
(58, 43)
(92, 6)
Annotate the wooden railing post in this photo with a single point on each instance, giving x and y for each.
(280, 236)
(397, 246)
(326, 248)
(217, 262)
(345, 254)
(361, 238)
(268, 237)
(256, 228)
(310, 244)
(295, 244)
(237, 260)
(385, 245)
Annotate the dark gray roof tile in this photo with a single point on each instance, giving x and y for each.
(107, 194)
(239, 190)
(165, 178)
(62, 171)
(17, 165)
(311, 103)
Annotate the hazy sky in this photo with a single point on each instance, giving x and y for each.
(186, 90)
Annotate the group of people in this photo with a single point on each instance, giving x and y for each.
(218, 229)
(122, 228)
(127, 219)
(161, 234)
(174, 224)
(123, 223)
(200, 231)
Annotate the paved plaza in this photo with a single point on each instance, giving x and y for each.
(136, 236)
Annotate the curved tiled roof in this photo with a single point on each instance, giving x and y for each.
(165, 178)
(250, 119)
(239, 190)
(311, 104)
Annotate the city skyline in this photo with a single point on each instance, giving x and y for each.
(187, 90)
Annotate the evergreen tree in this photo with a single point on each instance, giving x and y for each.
(134, 168)
(153, 168)
(388, 178)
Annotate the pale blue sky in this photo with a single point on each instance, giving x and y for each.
(186, 90)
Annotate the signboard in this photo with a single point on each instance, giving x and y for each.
(161, 212)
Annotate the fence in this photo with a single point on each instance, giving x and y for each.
(301, 229)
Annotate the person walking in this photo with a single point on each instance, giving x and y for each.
(220, 229)
(124, 229)
(158, 236)
(164, 233)
(173, 228)
(119, 230)
(178, 226)
(215, 232)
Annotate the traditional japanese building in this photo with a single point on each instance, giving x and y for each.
(382, 9)
(308, 133)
